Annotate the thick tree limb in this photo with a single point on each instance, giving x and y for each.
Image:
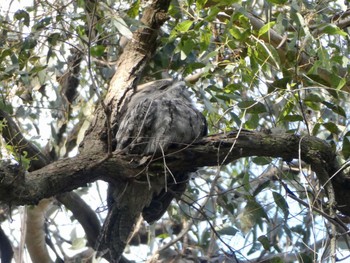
(68, 174)
(130, 66)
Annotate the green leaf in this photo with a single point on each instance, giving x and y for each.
(293, 118)
(346, 146)
(186, 47)
(183, 26)
(22, 15)
(24, 160)
(313, 97)
(37, 69)
(5, 107)
(265, 242)
(252, 214)
(252, 106)
(336, 81)
(253, 122)
(341, 84)
(213, 11)
(261, 55)
(313, 103)
(299, 20)
(34, 59)
(343, 61)
(205, 38)
(306, 258)
(231, 88)
(54, 38)
(261, 160)
(175, 9)
(261, 187)
(281, 203)
(332, 29)
(330, 126)
(97, 51)
(5, 53)
(236, 33)
(163, 235)
(277, 2)
(29, 43)
(246, 183)
(23, 59)
(200, 4)
(42, 23)
(191, 67)
(80, 30)
(335, 108)
(134, 9)
(220, 2)
(266, 28)
(317, 78)
(228, 230)
(20, 111)
(316, 129)
(277, 260)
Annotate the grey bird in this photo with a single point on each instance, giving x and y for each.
(158, 116)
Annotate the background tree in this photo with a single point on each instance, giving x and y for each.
(272, 78)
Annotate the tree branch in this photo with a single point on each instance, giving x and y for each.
(68, 174)
(14, 137)
(83, 213)
(130, 66)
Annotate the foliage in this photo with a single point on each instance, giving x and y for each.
(286, 74)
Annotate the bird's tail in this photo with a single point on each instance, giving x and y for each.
(116, 232)
(125, 203)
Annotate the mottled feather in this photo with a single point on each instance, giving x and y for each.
(158, 116)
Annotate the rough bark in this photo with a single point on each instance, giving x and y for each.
(129, 70)
(67, 174)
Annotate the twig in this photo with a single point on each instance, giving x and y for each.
(333, 220)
